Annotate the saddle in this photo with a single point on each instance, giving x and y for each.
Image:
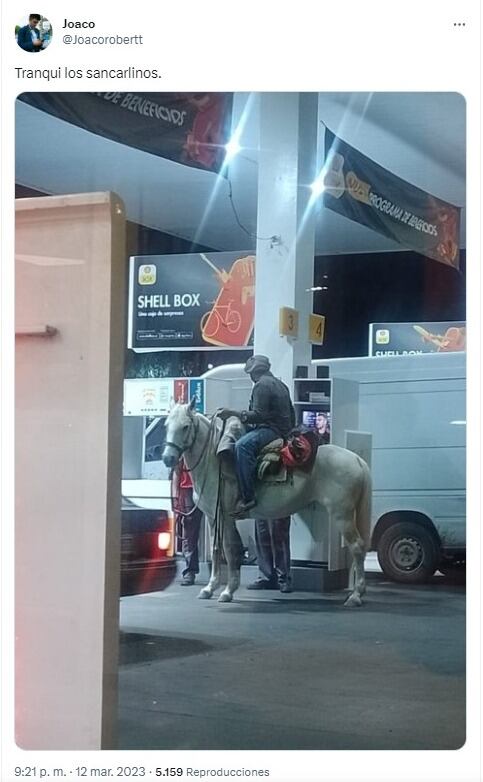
(269, 462)
(277, 459)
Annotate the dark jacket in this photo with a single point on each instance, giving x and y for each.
(24, 39)
(270, 405)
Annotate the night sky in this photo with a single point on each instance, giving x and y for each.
(392, 287)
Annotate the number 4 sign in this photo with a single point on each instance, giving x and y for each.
(316, 329)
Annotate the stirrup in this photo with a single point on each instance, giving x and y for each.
(241, 508)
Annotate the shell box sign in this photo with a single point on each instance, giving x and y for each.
(197, 301)
(403, 339)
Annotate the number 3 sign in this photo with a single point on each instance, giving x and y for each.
(288, 322)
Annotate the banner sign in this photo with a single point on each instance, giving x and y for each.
(154, 397)
(191, 302)
(151, 397)
(197, 390)
(402, 339)
(363, 191)
(189, 128)
(181, 391)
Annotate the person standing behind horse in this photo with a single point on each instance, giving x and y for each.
(272, 539)
(270, 415)
(189, 518)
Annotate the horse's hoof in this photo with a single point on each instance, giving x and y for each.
(205, 594)
(353, 601)
(225, 597)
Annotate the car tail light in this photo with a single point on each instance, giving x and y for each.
(166, 536)
(164, 540)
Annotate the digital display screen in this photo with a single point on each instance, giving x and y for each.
(318, 420)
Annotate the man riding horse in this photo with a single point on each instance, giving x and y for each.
(270, 415)
(339, 483)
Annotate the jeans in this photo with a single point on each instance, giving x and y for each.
(247, 449)
(190, 527)
(272, 538)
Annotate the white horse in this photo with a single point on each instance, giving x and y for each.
(340, 481)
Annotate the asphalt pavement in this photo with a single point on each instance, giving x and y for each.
(297, 671)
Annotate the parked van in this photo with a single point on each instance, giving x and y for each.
(415, 409)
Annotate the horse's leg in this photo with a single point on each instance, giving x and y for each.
(214, 581)
(357, 549)
(232, 547)
(343, 516)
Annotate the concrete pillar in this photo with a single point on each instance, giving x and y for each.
(287, 167)
(70, 273)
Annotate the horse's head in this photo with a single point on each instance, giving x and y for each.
(180, 432)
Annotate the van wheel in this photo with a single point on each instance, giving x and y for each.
(408, 553)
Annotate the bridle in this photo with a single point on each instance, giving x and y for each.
(195, 422)
(195, 425)
(217, 533)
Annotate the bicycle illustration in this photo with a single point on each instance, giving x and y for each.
(230, 320)
(221, 316)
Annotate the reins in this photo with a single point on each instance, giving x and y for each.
(217, 526)
(204, 452)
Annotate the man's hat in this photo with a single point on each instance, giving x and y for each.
(257, 362)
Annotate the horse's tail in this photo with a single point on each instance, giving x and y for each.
(364, 506)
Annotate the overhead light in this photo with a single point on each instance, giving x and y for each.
(232, 149)
(458, 423)
(317, 187)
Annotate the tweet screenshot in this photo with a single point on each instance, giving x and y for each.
(241, 391)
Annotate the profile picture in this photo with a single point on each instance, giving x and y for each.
(34, 33)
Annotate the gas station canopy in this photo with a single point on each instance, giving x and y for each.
(418, 136)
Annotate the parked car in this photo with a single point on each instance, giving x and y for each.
(148, 551)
